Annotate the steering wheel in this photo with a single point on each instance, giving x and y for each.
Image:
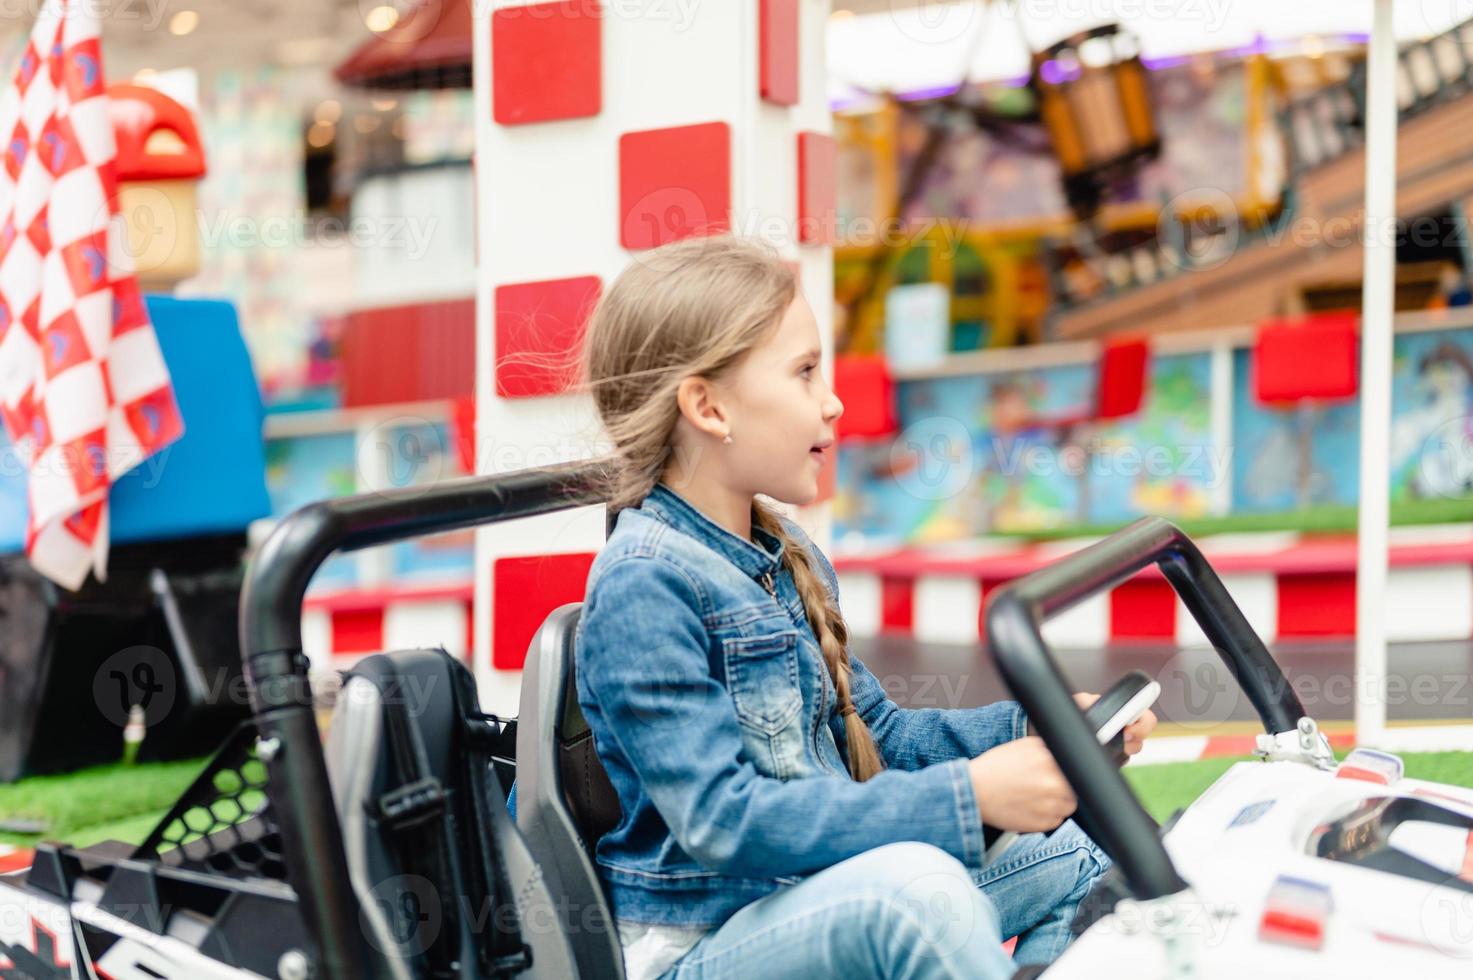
(1125, 701)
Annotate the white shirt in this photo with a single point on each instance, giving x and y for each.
(650, 950)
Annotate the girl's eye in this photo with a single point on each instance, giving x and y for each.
(808, 370)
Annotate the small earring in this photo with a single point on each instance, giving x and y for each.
(727, 441)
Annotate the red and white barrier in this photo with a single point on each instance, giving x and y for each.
(339, 627)
(1289, 586)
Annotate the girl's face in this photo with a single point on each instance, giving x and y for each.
(782, 412)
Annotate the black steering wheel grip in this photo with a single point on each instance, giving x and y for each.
(1107, 711)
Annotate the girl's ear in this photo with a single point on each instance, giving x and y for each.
(701, 405)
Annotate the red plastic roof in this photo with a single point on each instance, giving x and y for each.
(430, 47)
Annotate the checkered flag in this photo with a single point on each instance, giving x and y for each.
(84, 392)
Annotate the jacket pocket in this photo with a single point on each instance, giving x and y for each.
(762, 676)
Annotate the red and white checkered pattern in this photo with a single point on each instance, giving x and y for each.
(84, 391)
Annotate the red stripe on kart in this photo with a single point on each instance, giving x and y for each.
(17, 860)
(1466, 872)
(1221, 745)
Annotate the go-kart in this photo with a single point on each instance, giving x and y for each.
(388, 851)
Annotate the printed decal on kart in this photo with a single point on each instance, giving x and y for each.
(1251, 813)
(35, 946)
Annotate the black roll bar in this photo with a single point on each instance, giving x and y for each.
(1108, 810)
(281, 695)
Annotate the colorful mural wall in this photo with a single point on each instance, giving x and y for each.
(1014, 452)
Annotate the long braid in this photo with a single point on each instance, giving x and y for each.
(833, 639)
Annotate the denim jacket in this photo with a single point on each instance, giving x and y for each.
(713, 712)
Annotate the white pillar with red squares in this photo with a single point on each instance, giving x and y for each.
(603, 129)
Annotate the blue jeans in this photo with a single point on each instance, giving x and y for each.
(910, 911)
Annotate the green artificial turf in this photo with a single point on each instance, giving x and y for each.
(1165, 788)
(124, 803)
(93, 804)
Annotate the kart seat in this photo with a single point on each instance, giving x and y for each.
(421, 703)
(565, 801)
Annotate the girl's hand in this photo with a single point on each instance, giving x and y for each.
(1135, 732)
(1019, 787)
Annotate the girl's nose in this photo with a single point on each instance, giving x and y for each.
(833, 408)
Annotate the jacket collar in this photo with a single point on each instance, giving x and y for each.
(670, 507)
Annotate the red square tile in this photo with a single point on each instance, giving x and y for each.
(523, 591)
(1143, 608)
(358, 630)
(539, 328)
(817, 192)
(779, 68)
(1122, 378)
(674, 183)
(1312, 357)
(1317, 604)
(864, 385)
(546, 62)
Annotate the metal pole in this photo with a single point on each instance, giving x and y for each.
(1377, 308)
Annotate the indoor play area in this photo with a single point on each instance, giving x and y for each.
(1140, 395)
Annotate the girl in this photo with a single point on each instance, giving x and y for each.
(781, 816)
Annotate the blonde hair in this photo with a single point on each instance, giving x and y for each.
(695, 308)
